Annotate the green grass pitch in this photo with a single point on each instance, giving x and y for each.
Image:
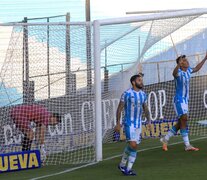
(152, 163)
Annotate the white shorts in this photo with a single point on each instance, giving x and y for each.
(133, 134)
(180, 107)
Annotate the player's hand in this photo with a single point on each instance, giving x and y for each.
(117, 128)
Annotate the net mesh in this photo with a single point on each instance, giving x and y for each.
(151, 47)
(52, 66)
(47, 66)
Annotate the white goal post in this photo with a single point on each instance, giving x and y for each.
(80, 70)
(97, 57)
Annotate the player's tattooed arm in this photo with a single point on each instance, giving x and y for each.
(147, 113)
(118, 115)
(118, 112)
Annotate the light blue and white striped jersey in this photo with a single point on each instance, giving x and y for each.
(182, 84)
(133, 102)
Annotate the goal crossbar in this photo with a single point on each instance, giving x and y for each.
(97, 57)
(166, 15)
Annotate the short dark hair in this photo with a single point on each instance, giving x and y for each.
(134, 77)
(58, 116)
(178, 59)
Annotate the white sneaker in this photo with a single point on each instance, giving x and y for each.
(164, 144)
(191, 148)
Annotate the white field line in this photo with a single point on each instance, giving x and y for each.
(106, 159)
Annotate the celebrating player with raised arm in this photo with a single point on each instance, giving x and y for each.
(182, 74)
(23, 115)
(134, 101)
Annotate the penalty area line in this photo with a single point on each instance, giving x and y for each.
(106, 159)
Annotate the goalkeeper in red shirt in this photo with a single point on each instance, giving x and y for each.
(23, 115)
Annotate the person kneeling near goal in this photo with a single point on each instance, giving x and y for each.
(23, 115)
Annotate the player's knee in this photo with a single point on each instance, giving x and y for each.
(183, 118)
(133, 145)
(183, 121)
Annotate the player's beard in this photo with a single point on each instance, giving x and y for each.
(139, 86)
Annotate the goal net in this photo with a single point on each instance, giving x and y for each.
(51, 65)
(131, 45)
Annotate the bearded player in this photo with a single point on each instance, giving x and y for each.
(133, 101)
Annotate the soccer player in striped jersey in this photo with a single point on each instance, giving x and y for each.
(133, 101)
(182, 74)
(23, 115)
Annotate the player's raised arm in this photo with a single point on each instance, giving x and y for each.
(175, 71)
(199, 66)
(118, 115)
